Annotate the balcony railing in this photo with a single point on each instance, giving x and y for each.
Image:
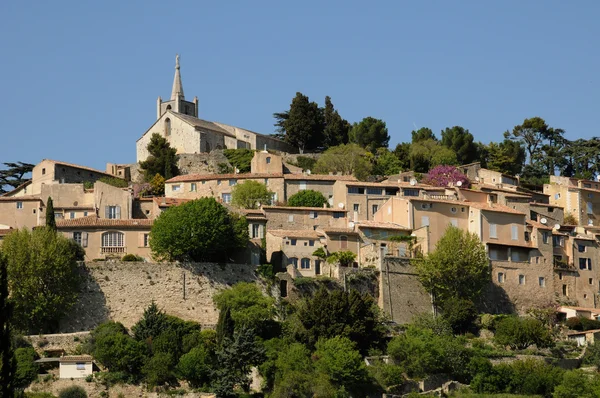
(439, 197)
(113, 250)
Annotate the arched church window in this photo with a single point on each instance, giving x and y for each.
(168, 107)
(167, 127)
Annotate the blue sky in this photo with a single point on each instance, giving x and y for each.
(80, 79)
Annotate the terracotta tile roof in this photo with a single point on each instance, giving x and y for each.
(208, 177)
(544, 205)
(4, 231)
(94, 221)
(302, 233)
(494, 188)
(81, 167)
(348, 231)
(76, 358)
(452, 202)
(162, 201)
(17, 189)
(498, 208)
(575, 333)
(26, 198)
(75, 208)
(292, 208)
(381, 225)
(538, 225)
(597, 310)
(318, 177)
(373, 184)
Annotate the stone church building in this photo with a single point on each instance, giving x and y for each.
(177, 121)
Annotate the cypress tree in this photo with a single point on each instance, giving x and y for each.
(225, 326)
(50, 220)
(8, 364)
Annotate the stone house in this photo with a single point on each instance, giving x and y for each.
(219, 186)
(108, 238)
(20, 211)
(324, 184)
(580, 198)
(303, 218)
(75, 366)
(584, 338)
(296, 248)
(178, 122)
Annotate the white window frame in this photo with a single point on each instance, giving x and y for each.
(113, 212)
(226, 197)
(113, 239)
(193, 187)
(176, 188)
(493, 231)
(305, 263)
(255, 231)
(19, 205)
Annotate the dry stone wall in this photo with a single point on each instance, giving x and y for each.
(120, 291)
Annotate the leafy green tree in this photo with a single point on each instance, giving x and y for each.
(531, 133)
(13, 176)
(461, 142)
(7, 359)
(420, 352)
(348, 159)
(240, 158)
(199, 230)
(506, 157)
(158, 370)
(43, 277)
(425, 154)
(27, 370)
(303, 124)
(422, 134)
(386, 163)
(577, 384)
(249, 307)
(250, 195)
(118, 351)
(336, 129)
(370, 133)
(339, 359)
(402, 153)
(343, 258)
(460, 313)
(195, 367)
(520, 333)
(307, 198)
(162, 159)
(338, 313)
(457, 268)
(50, 219)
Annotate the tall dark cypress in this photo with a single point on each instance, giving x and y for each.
(225, 326)
(50, 220)
(8, 364)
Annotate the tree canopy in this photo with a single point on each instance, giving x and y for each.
(307, 198)
(370, 133)
(13, 175)
(457, 268)
(43, 277)
(250, 194)
(162, 159)
(198, 230)
(348, 159)
(461, 142)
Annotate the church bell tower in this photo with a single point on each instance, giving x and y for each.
(177, 103)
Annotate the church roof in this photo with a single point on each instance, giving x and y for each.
(202, 124)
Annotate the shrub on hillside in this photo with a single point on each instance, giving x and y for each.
(72, 392)
(27, 369)
(240, 158)
(520, 333)
(132, 257)
(582, 324)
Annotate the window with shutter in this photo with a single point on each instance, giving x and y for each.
(84, 239)
(493, 231)
(514, 232)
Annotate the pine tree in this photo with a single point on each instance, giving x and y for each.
(7, 365)
(50, 220)
(304, 124)
(336, 129)
(162, 159)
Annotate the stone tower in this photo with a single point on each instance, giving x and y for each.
(177, 103)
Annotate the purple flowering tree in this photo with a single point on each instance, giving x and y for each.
(443, 176)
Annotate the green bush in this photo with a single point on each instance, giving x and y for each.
(72, 392)
(159, 370)
(195, 367)
(239, 158)
(27, 369)
(582, 324)
(305, 162)
(520, 333)
(114, 181)
(307, 198)
(266, 271)
(132, 257)
(460, 314)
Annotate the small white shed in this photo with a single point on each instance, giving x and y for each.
(76, 366)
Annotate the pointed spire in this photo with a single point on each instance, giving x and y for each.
(177, 86)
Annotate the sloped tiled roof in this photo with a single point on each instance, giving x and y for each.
(538, 225)
(76, 358)
(161, 201)
(81, 167)
(318, 177)
(208, 177)
(294, 233)
(203, 124)
(292, 208)
(26, 198)
(17, 189)
(381, 225)
(495, 208)
(348, 231)
(95, 221)
(4, 231)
